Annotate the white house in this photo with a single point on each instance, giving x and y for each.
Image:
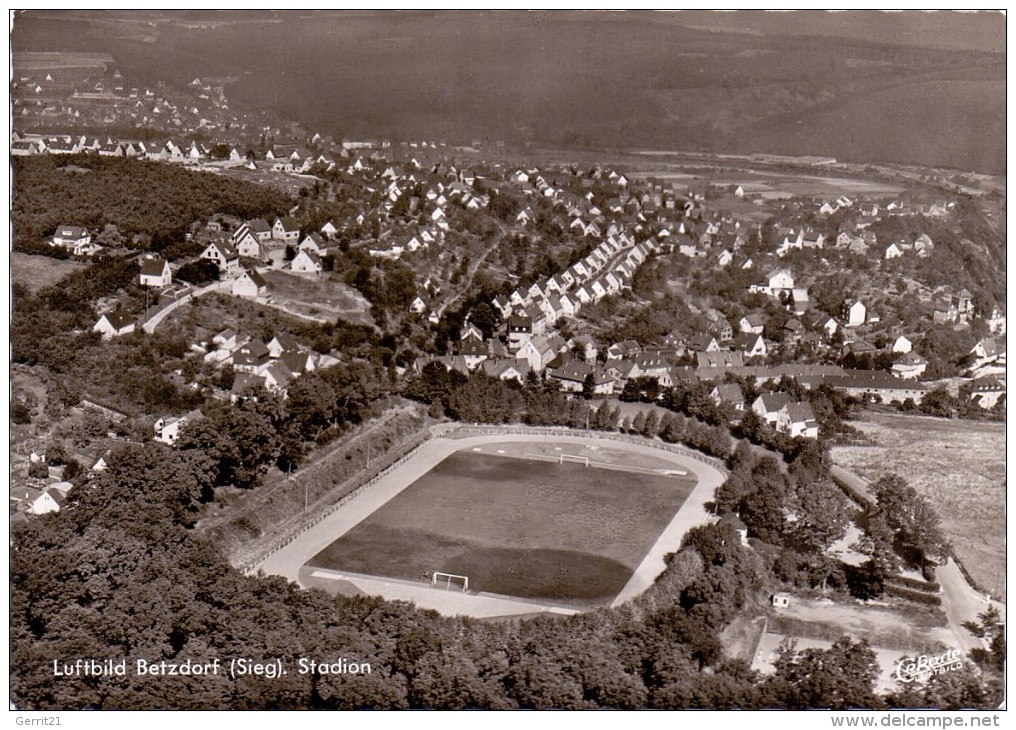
(167, 430)
(114, 324)
(286, 229)
(250, 285)
(307, 262)
(155, 271)
(223, 254)
(854, 312)
(72, 237)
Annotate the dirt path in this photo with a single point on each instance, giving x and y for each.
(156, 319)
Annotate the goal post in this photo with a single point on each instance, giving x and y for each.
(562, 458)
(446, 580)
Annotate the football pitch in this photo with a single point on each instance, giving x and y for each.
(526, 528)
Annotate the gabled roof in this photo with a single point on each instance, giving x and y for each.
(153, 266)
(286, 341)
(800, 412)
(253, 275)
(244, 381)
(71, 232)
(719, 359)
(295, 361)
(289, 224)
(118, 319)
(773, 402)
(729, 393)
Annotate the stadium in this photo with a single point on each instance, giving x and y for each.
(491, 522)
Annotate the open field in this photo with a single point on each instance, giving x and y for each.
(959, 466)
(26, 61)
(38, 272)
(516, 527)
(319, 297)
(776, 185)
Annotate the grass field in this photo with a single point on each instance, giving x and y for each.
(960, 467)
(319, 297)
(38, 272)
(531, 529)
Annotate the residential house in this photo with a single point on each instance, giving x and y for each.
(753, 323)
(155, 271)
(854, 313)
(315, 243)
(74, 238)
(872, 385)
(114, 324)
(893, 251)
(538, 351)
(800, 302)
(252, 357)
(247, 244)
(47, 501)
(167, 429)
(777, 282)
(901, 345)
(768, 406)
(260, 228)
(703, 343)
(223, 255)
(306, 262)
(822, 322)
(986, 392)
(909, 366)
(750, 345)
(797, 420)
(989, 351)
(728, 394)
(286, 229)
(250, 285)
(520, 329)
(506, 368)
(720, 359)
(572, 378)
(280, 343)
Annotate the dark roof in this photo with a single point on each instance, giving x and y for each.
(289, 223)
(258, 280)
(119, 319)
(870, 379)
(719, 359)
(153, 266)
(71, 232)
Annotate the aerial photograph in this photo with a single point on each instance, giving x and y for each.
(508, 360)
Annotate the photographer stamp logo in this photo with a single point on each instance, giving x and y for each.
(924, 666)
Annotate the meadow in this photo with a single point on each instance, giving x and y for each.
(959, 466)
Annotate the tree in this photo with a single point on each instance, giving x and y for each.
(917, 526)
(841, 677)
(588, 386)
(652, 424)
(20, 412)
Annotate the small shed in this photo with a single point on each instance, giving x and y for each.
(781, 600)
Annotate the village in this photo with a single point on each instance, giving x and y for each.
(413, 196)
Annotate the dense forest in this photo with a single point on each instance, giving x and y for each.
(156, 201)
